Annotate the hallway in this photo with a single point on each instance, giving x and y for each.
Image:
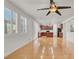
(33, 34)
(43, 48)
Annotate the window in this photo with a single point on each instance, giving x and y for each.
(10, 18)
(23, 24)
(7, 20)
(14, 18)
(11, 22)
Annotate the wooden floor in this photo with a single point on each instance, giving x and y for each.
(43, 48)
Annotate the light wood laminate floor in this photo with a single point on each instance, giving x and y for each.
(43, 48)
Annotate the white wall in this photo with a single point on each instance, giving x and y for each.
(17, 40)
(69, 36)
(37, 29)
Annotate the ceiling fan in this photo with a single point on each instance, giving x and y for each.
(54, 9)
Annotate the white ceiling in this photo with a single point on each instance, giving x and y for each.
(31, 6)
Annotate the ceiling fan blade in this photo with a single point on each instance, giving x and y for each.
(63, 7)
(51, 1)
(58, 12)
(48, 13)
(43, 9)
